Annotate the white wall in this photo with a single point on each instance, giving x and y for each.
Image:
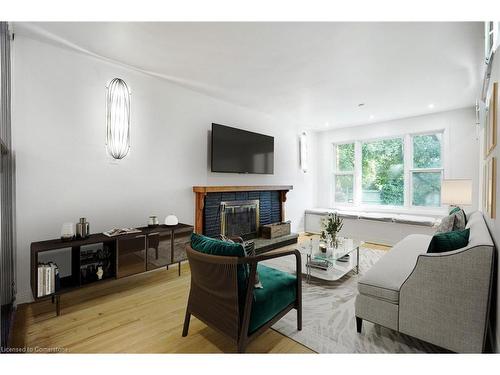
(62, 169)
(460, 151)
(494, 224)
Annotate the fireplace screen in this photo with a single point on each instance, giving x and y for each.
(240, 218)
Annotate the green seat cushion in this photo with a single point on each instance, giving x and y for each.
(212, 246)
(449, 241)
(279, 291)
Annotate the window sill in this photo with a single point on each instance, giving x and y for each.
(423, 211)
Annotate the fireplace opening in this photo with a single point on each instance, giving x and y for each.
(240, 218)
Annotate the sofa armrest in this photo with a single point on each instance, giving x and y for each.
(446, 299)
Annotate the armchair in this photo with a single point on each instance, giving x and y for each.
(216, 297)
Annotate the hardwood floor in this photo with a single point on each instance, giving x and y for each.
(139, 314)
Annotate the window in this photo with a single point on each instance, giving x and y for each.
(403, 171)
(426, 172)
(491, 30)
(344, 173)
(383, 172)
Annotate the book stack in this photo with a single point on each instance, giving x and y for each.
(48, 279)
(318, 264)
(120, 231)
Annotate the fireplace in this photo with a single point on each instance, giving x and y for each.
(242, 210)
(239, 218)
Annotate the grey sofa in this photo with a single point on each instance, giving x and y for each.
(440, 298)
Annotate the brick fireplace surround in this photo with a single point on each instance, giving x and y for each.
(272, 200)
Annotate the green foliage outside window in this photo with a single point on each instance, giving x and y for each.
(427, 189)
(345, 157)
(383, 172)
(427, 151)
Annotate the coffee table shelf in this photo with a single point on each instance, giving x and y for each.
(338, 265)
(340, 260)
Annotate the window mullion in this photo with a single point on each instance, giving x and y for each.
(357, 173)
(407, 165)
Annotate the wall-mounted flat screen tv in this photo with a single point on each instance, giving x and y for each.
(240, 151)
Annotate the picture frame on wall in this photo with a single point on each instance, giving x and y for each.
(491, 185)
(485, 187)
(490, 133)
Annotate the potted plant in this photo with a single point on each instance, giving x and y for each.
(330, 227)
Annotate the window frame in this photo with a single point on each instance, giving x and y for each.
(412, 169)
(491, 31)
(409, 169)
(371, 140)
(336, 173)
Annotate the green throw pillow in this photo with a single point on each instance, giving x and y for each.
(449, 241)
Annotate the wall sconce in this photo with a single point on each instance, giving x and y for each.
(117, 118)
(303, 151)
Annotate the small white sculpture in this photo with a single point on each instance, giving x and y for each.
(99, 272)
(171, 220)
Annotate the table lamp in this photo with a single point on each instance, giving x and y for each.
(456, 192)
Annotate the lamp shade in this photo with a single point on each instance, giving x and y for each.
(118, 118)
(456, 192)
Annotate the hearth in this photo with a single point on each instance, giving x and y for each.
(239, 218)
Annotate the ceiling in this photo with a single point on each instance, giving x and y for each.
(311, 74)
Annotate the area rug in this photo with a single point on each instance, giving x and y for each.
(329, 325)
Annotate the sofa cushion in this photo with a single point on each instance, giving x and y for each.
(460, 218)
(446, 224)
(388, 217)
(449, 241)
(425, 221)
(348, 214)
(385, 278)
(279, 292)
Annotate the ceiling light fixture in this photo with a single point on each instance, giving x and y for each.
(372, 117)
(431, 106)
(117, 118)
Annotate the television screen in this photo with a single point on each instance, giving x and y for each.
(240, 151)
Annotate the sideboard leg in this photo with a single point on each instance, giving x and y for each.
(58, 305)
(179, 268)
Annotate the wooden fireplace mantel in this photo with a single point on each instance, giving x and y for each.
(202, 191)
(222, 189)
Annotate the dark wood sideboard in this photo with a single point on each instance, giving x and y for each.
(153, 248)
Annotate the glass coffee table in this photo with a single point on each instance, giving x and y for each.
(334, 264)
(340, 261)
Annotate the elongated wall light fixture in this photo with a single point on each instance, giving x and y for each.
(117, 118)
(303, 151)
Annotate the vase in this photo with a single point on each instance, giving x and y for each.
(322, 246)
